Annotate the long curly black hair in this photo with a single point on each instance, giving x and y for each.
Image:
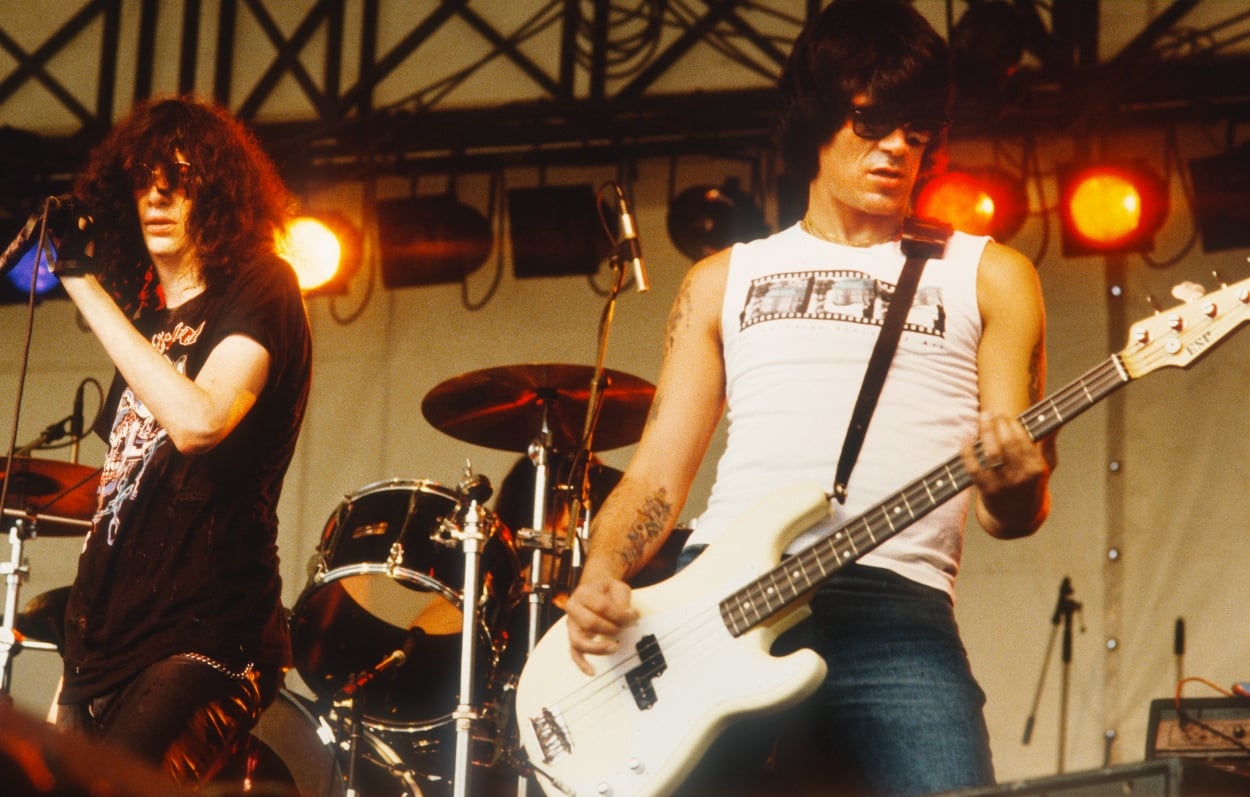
(239, 203)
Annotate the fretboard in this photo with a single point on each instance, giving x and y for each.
(796, 576)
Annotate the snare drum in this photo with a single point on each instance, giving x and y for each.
(384, 581)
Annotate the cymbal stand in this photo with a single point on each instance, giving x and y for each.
(541, 541)
(544, 542)
(472, 538)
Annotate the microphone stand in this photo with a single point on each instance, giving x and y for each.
(1065, 607)
(580, 531)
(16, 570)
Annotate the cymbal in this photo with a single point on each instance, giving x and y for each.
(59, 496)
(504, 407)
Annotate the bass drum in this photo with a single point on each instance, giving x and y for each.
(292, 753)
(382, 582)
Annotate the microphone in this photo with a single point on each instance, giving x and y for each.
(1063, 604)
(631, 248)
(22, 243)
(1178, 637)
(66, 227)
(396, 658)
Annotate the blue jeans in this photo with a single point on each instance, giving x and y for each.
(898, 714)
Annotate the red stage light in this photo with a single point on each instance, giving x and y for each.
(980, 201)
(1110, 208)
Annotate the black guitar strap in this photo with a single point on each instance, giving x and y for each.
(923, 240)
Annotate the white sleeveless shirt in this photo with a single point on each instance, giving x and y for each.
(800, 318)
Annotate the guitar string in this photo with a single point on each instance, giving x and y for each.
(589, 699)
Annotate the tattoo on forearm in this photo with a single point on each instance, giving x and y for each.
(678, 317)
(654, 412)
(1037, 372)
(651, 519)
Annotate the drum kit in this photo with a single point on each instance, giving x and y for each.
(421, 602)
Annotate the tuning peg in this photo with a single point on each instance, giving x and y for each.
(1153, 301)
(1188, 291)
(1219, 278)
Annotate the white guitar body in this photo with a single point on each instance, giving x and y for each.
(599, 741)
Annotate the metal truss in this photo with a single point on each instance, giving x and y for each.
(596, 80)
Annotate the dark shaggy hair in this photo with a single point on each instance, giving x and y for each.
(238, 201)
(882, 48)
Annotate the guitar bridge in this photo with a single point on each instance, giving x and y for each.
(553, 735)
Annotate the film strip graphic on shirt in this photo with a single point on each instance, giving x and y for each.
(840, 295)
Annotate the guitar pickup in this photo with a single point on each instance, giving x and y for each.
(650, 666)
(552, 734)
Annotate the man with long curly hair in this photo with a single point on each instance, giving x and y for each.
(175, 634)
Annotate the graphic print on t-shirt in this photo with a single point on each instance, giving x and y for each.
(839, 295)
(135, 438)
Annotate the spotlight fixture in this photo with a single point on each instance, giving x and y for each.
(1222, 199)
(15, 283)
(556, 231)
(1110, 207)
(324, 250)
(426, 240)
(704, 219)
(983, 200)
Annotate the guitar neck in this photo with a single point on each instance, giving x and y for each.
(796, 576)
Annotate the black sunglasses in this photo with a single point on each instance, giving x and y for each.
(873, 124)
(178, 174)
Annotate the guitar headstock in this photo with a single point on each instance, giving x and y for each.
(1179, 336)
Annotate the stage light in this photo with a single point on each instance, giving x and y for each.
(15, 285)
(556, 231)
(987, 44)
(705, 219)
(426, 240)
(1222, 199)
(324, 250)
(1110, 208)
(978, 200)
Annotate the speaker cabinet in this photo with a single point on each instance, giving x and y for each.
(1165, 777)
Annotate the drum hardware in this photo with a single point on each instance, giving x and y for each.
(40, 496)
(540, 409)
(428, 574)
(357, 608)
(471, 538)
(501, 407)
(293, 750)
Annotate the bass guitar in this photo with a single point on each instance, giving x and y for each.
(699, 655)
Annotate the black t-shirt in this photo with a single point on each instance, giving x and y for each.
(182, 555)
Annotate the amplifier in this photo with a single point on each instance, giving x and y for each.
(1210, 728)
(1164, 777)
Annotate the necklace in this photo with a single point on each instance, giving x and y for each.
(808, 227)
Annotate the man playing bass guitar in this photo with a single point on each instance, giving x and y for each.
(777, 334)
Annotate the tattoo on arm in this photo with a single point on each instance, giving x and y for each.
(678, 317)
(654, 412)
(1037, 366)
(651, 519)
